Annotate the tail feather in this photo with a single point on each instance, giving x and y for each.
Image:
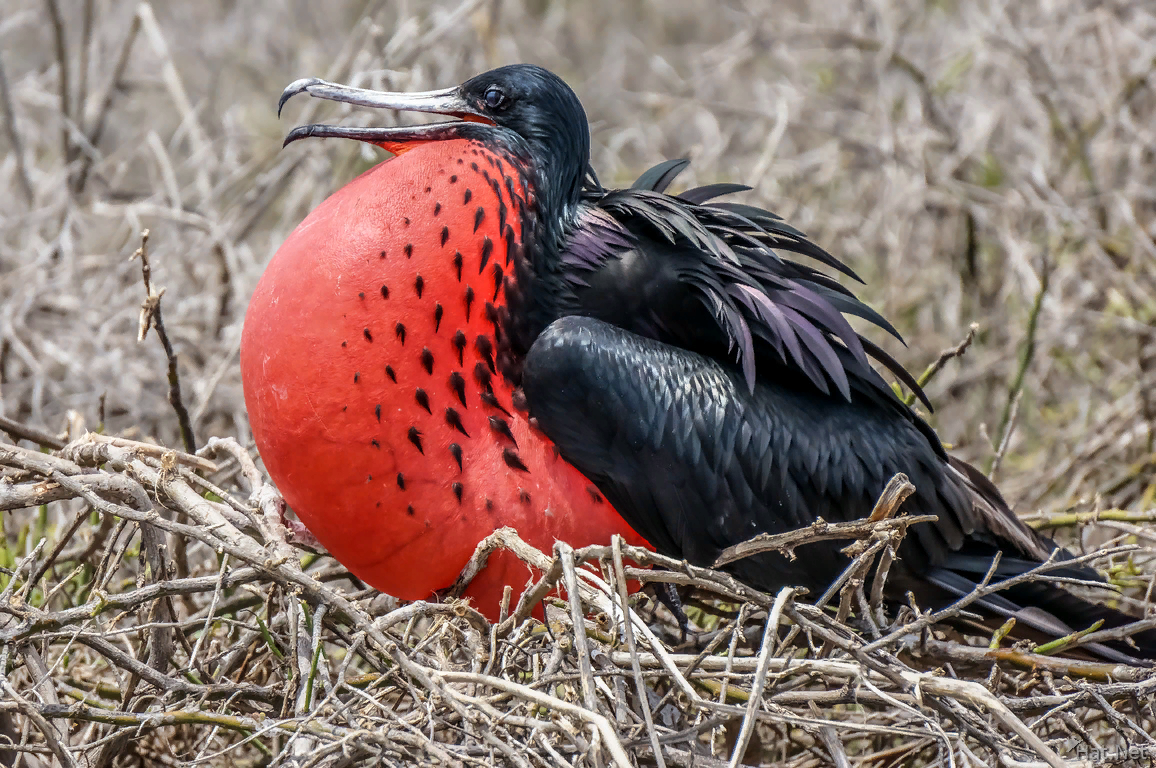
(1042, 605)
(1050, 611)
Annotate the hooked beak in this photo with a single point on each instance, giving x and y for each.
(447, 101)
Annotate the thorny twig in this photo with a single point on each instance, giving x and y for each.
(150, 317)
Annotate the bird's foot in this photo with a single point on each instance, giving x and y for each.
(288, 530)
(300, 536)
(667, 594)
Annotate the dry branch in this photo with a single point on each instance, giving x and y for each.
(298, 667)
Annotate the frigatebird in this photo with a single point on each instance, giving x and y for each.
(688, 358)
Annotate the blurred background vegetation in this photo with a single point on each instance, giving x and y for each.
(987, 162)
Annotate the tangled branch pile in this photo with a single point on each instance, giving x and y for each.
(118, 655)
(976, 162)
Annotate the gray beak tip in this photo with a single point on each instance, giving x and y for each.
(294, 88)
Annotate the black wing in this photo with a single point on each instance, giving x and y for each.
(710, 277)
(695, 461)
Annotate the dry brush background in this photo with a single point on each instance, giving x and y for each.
(990, 162)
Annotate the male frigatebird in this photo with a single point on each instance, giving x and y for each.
(476, 333)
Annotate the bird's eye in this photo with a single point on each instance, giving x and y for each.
(494, 97)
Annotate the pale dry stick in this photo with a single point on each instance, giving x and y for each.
(632, 650)
(979, 695)
(897, 490)
(299, 745)
(820, 530)
(42, 682)
(209, 615)
(879, 583)
(419, 609)
(199, 142)
(14, 138)
(49, 731)
(854, 570)
(952, 689)
(59, 40)
(124, 601)
(714, 585)
(315, 665)
(503, 538)
(1007, 436)
(119, 485)
(231, 448)
(531, 597)
(732, 646)
(212, 527)
(880, 525)
(248, 725)
(560, 761)
(26, 562)
(110, 91)
(895, 701)
(1116, 633)
(1121, 723)
(728, 633)
(600, 592)
(443, 757)
(679, 572)
(1046, 520)
(770, 638)
(150, 449)
(605, 729)
(245, 511)
(565, 553)
(62, 540)
(28, 495)
(434, 681)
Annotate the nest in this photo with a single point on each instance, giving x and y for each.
(186, 629)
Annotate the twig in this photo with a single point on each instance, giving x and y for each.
(156, 451)
(632, 648)
(820, 530)
(1005, 441)
(150, 317)
(957, 351)
(47, 729)
(22, 431)
(1027, 354)
(65, 93)
(610, 738)
(14, 137)
(96, 132)
(770, 637)
(897, 490)
(585, 672)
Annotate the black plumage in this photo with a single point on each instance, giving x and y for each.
(709, 386)
(712, 390)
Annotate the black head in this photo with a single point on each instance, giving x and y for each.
(528, 110)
